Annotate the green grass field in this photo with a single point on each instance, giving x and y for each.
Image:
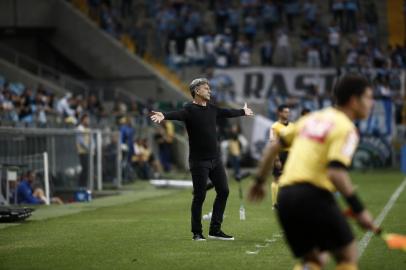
(149, 229)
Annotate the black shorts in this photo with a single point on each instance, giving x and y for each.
(283, 156)
(311, 218)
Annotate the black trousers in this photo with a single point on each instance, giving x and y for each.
(214, 170)
(84, 174)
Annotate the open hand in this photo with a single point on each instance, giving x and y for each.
(247, 110)
(257, 192)
(157, 117)
(366, 221)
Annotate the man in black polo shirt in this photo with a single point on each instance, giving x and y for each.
(200, 118)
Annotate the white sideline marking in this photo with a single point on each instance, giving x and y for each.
(362, 245)
(270, 240)
(259, 246)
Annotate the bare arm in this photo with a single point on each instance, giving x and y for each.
(271, 153)
(257, 192)
(341, 180)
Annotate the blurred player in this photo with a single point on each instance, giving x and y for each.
(200, 118)
(322, 146)
(276, 130)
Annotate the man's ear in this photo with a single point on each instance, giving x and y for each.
(354, 102)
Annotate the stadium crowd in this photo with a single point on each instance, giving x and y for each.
(250, 32)
(226, 33)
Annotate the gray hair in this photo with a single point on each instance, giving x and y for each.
(195, 84)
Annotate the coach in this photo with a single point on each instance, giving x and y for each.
(200, 118)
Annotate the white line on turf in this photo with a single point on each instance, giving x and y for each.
(270, 240)
(362, 245)
(261, 246)
(267, 244)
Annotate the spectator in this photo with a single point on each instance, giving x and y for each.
(313, 58)
(234, 22)
(26, 194)
(221, 16)
(106, 20)
(338, 12)
(283, 53)
(235, 150)
(334, 43)
(250, 29)
(84, 145)
(165, 138)
(351, 8)
(372, 20)
(64, 109)
(310, 12)
(95, 107)
(222, 55)
(292, 10)
(270, 16)
(141, 159)
(266, 53)
(127, 138)
(243, 52)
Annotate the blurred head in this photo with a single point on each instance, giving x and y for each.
(30, 176)
(235, 129)
(123, 120)
(85, 120)
(283, 113)
(92, 99)
(200, 87)
(354, 93)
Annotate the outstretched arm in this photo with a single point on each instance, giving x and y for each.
(158, 117)
(228, 113)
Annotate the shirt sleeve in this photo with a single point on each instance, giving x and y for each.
(229, 113)
(177, 115)
(273, 134)
(342, 146)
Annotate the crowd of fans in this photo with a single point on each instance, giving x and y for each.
(26, 106)
(22, 106)
(229, 33)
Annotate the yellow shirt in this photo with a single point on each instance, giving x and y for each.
(83, 140)
(170, 131)
(276, 130)
(234, 147)
(317, 139)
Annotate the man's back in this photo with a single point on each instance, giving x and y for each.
(318, 139)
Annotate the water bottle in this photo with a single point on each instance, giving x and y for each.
(242, 212)
(89, 195)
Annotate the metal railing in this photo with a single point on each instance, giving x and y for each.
(100, 165)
